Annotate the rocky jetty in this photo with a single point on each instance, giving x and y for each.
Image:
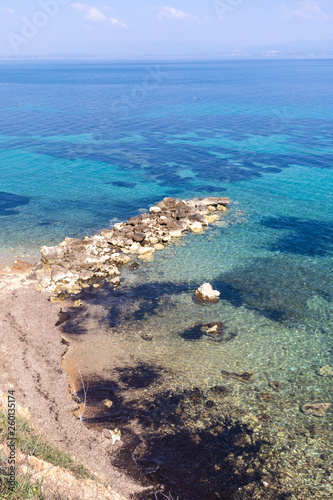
(75, 263)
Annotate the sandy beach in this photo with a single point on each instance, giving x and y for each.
(31, 354)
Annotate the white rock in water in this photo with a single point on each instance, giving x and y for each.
(144, 250)
(205, 293)
(196, 227)
(155, 210)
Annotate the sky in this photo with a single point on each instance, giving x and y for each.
(151, 27)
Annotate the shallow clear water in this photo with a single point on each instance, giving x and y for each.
(82, 145)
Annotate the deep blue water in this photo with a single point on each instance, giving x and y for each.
(84, 144)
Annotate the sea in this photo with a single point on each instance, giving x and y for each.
(85, 144)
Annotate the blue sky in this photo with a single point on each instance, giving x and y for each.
(116, 28)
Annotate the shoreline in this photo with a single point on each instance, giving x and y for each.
(34, 348)
(33, 369)
(254, 420)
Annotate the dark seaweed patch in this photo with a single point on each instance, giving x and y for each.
(128, 185)
(303, 236)
(275, 288)
(9, 202)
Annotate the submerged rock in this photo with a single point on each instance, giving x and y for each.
(220, 390)
(246, 377)
(326, 371)
(276, 385)
(213, 329)
(205, 293)
(147, 337)
(316, 409)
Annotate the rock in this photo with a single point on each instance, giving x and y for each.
(180, 214)
(158, 246)
(316, 409)
(78, 303)
(59, 273)
(147, 337)
(168, 203)
(63, 316)
(276, 385)
(220, 390)
(266, 397)
(145, 250)
(135, 247)
(214, 201)
(148, 257)
(134, 266)
(175, 230)
(113, 435)
(153, 240)
(164, 220)
(205, 293)
(213, 329)
(212, 218)
(196, 227)
(138, 237)
(120, 258)
(155, 210)
(86, 275)
(51, 255)
(246, 377)
(107, 403)
(44, 280)
(326, 371)
(115, 281)
(20, 265)
(199, 218)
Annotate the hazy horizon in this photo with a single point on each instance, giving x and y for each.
(181, 28)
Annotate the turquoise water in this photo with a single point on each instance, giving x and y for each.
(85, 145)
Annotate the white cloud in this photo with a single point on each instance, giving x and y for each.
(80, 7)
(6, 13)
(172, 13)
(114, 20)
(93, 15)
(305, 10)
